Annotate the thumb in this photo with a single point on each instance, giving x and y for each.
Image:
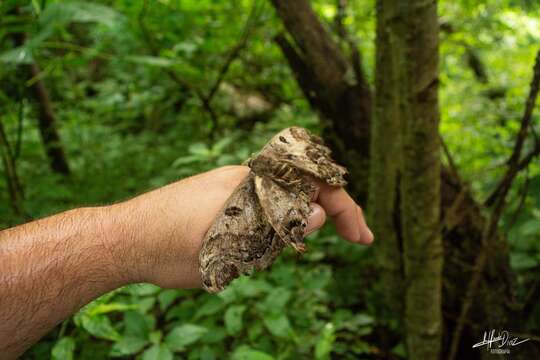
(316, 218)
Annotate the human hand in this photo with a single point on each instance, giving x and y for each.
(163, 230)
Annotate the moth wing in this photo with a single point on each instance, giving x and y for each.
(299, 148)
(285, 210)
(239, 240)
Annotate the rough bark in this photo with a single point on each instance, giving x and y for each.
(462, 217)
(385, 167)
(332, 86)
(420, 182)
(492, 308)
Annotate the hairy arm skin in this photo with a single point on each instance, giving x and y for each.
(52, 267)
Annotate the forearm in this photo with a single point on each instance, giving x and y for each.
(52, 267)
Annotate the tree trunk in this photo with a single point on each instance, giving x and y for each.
(385, 167)
(332, 85)
(463, 220)
(420, 181)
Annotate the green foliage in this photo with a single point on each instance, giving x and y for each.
(181, 336)
(63, 349)
(233, 319)
(127, 126)
(246, 353)
(325, 344)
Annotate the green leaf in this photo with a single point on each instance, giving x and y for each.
(361, 347)
(211, 306)
(166, 298)
(155, 336)
(63, 349)
(143, 289)
(60, 14)
(400, 350)
(19, 55)
(199, 149)
(100, 326)
(255, 330)
(128, 345)
(363, 319)
(317, 278)
(278, 325)
(324, 345)
(24, 54)
(244, 352)
(531, 227)
(207, 353)
(184, 160)
(227, 159)
(150, 60)
(184, 310)
(37, 7)
(183, 335)
(79, 11)
(107, 308)
(522, 261)
(185, 47)
(228, 295)
(136, 325)
(248, 287)
(233, 319)
(276, 300)
(214, 335)
(158, 352)
(221, 144)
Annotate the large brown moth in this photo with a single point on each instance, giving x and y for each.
(269, 209)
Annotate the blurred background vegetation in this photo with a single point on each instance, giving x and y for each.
(143, 93)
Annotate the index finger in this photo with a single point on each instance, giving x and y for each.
(347, 215)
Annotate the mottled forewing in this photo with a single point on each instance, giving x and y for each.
(239, 240)
(287, 211)
(296, 147)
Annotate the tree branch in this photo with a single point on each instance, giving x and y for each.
(232, 55)
(514, 162)
(46, 117)
(304, 76)
(343, 34)
(498, 200)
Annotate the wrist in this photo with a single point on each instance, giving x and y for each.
(110, 236)
(152, 234)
